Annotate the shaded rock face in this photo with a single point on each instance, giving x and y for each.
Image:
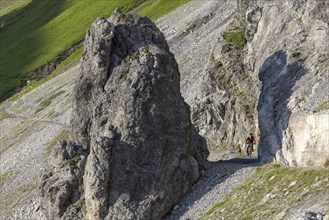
(142, 152)
(273, 86)
(278, 79)
(292, 64)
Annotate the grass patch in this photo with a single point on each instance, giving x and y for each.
(304, 37)
(36, 34)
(234, 39)
(155, 9)
(195, 25)
(45, 103)
(74, 161)
(77, 207)
(322, 107)
(18, 197)
(216, 63)
(63, 135)
(74, 57)
(7, 6)
(71, 61)
(270, 191)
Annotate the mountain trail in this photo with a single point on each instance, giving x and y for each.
(7, 109)
(219, 179)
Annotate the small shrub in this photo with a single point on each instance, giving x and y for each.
(216, 63)
(146, 48)
(123, 77)
(135, 56)
(189, 29)
(74, 161)
(64, 135)
(296, 54)
(304, 38)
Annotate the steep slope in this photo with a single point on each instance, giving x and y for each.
(290, 54)
(47, 31)
(196, 19)
(276, 192)
(256, 78)
(42, 112)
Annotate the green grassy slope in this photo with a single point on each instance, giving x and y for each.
(155, 9)
(272, 191)
(36, 34)
(7, 6)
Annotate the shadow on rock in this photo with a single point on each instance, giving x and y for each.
(278, 79)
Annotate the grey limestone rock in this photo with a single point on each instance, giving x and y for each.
(290, 42)
(129, 115)
(275, 86)
(60, 184)
(224, 108)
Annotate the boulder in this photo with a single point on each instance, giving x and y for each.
(143, 152)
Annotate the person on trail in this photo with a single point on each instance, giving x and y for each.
(250, 141)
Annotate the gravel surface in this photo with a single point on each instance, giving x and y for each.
(25, 136)
(26, 133)
(191, 32)
(219, 179)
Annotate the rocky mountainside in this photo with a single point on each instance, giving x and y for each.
(259, 66)
(270, 76)
(289, 53)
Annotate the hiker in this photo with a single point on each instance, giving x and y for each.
(250, 141)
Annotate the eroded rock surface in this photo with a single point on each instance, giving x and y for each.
(262, 83)
(143, 153)
(291, 46)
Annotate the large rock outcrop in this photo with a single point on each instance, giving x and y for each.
(269, 75)
(290, 55)
(142, 152)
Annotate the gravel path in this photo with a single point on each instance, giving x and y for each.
(219, 179)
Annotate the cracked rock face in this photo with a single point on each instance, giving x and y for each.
(129, 115)
(293, 70)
